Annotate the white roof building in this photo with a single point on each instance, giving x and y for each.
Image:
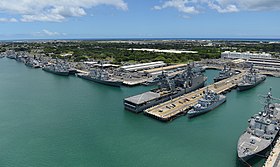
(243, 55)
(143, 66)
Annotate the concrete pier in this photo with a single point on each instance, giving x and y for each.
(274, 158)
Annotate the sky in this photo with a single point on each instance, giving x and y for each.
(71, 19)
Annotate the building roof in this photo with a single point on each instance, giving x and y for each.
(142, 98)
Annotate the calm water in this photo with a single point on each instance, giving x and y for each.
(48, 120)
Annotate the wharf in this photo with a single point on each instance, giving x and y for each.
(179, 106)
(274, 158)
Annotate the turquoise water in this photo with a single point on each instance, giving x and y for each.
(53, 121)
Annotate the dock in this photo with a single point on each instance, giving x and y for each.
(274, 158)
(179, 106)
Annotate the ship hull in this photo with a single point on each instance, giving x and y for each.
(109, 83)
(204, 111)
(56, 72)
(261, 149)
(32, 66)
(217, 79)
(249, 86)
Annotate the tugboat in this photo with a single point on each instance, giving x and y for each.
(58, 68)
(210, 101)
(250, 80)
(262, 130)
(101, 76)
(224, 74)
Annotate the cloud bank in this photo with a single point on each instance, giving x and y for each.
(221, 6)
(53, 10)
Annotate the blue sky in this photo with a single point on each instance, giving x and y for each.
(44, 19)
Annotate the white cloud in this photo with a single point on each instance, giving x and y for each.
(221, 6)
(230, 8)
(8, 20)
(54, 10)
(48, 33)
(181, 5)
(258, 5)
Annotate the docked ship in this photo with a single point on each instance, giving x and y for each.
(155, 80)
(101, 76)
(198, 68)
(2, 55)
(250, 80)
(167, 89)
(262, 131)
(32, 62)
(208, 102)
(224, 74)
(58, 69)
(11, 54)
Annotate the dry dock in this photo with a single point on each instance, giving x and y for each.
(274, 158)
(180, 105)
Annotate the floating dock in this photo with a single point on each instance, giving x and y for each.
(179, 106)
(274, 158)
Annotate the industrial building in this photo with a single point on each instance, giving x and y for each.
(265, 64)
(244, 55)
(143, 66)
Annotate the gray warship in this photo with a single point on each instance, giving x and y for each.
(208, 102)
(58, 68)
(198, 68)
(262, 130)
(167, 89)
(11, 54)
(2, 55)
(155, 80)
(224, 74)
(101, 76)
(32, 62)
(250, 80)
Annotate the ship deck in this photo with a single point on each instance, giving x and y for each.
(180, 105)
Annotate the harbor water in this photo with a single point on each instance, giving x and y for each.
(55, 121)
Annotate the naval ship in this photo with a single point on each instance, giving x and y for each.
(224, 74)
(262, 130)
(58, 68)
(198, 68)
(2, 55)
(250, 80)
(208, 102)
(11, 54)
(101, 76)
(167, 89)
(32, 62)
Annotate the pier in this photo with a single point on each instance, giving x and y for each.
(180, 105)
(274, 158)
